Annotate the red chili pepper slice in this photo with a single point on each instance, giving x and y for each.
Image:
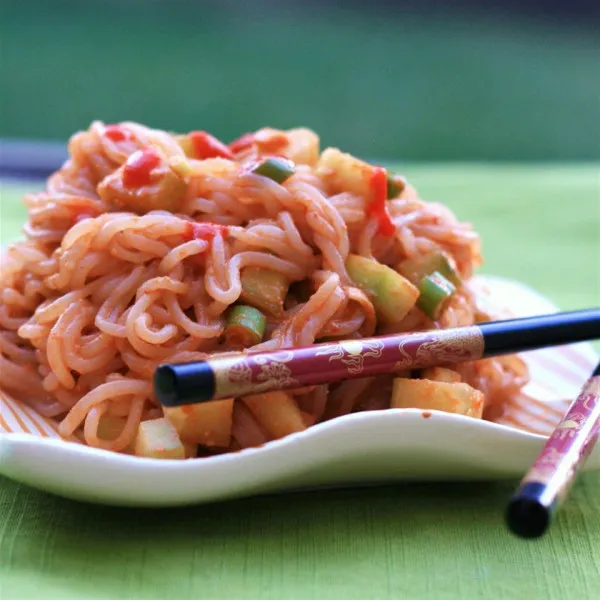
(138, 167)
(116, 133)
(378, 205)
(205, 231)
(208, 146)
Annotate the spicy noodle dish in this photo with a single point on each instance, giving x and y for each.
(149, 247)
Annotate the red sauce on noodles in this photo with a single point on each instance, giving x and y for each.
(206, 231)
(243, 142)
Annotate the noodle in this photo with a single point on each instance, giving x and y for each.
(111, 282)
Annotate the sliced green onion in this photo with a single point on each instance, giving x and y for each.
(395, 185)
(277, 169)
(245, 326)
(419, 267)
(435, 290)
(393, 189)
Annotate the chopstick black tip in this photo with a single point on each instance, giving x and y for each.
(165, 385)
(527, 516)
(186, 383)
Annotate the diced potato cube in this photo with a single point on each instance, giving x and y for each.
(458, 398)
(158, 439)
(164, 192)
(345, 173)
(276, 412)
(209, 167)
(308, 418)
(264, 289)
(205, 424)
(303, 146)
(440, 374)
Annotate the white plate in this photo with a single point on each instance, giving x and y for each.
(359, 449)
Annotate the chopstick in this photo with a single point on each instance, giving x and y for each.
(546, 485)
(244, 373)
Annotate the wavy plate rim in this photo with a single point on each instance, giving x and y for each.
(21, 455)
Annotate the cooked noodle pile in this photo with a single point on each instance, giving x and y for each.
(137, 249)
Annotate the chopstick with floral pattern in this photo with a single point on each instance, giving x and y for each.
(237, 374)
(549, 480)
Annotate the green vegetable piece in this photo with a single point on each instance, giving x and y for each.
(264, 289)
(245, 326)
(419, 267)
(392, 295)
(395, 185)
(435, 290)
(277, 169)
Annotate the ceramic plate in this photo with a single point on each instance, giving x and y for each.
(358, 449)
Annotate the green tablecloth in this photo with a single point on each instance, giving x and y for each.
(540, 225)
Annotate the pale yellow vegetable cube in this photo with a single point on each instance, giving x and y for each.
(276, 412)
(205, 424)
(303, 146)
(440, 374)
(158, 439)
(165, 191)
(300, 145)
(208, 167)
(458, 398)
(264, 289)
(345, 173)
(308, 419)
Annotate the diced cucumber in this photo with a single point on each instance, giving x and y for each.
(391, 293)
(418, 267)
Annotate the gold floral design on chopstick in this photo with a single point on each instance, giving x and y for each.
(234, 375)
(440, 347)
(352, 353)
(274, 375)
(240, 375)
(570, 427)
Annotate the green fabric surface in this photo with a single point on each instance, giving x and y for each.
(541, 225)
